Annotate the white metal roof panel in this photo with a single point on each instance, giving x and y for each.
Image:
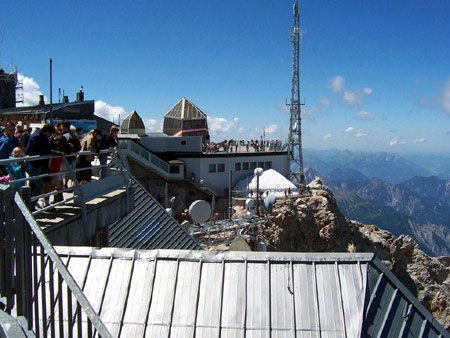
(175, 293)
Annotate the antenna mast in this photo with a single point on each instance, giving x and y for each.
(296, 174)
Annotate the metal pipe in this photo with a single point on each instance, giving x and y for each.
(51, 92)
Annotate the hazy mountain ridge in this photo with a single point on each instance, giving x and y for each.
(390, 167)
(420, 214)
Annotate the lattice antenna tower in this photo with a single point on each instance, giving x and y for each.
(296, 173)
(19, 88)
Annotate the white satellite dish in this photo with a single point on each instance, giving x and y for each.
(200, 211)
(249, 203)
(169, 211)
(185, 225)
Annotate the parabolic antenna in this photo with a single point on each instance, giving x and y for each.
(268, 202)
(200, 211)
(249, 203)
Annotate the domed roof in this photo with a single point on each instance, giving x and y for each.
(133, 124)
(185, 109)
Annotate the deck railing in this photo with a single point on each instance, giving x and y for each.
(109, 173)
(34, 282)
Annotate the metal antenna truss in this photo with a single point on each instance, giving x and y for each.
(296, 173)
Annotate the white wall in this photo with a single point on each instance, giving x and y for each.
(218, 181)
(182, 144)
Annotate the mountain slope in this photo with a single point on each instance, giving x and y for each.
(315, 224)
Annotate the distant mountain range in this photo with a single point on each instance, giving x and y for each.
(389, 191)
(390, 167)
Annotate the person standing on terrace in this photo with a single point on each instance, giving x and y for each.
(108, 141)
(39, 144)
(7, 144)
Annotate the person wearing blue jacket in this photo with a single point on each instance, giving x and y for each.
(17, 170)
(7, 143)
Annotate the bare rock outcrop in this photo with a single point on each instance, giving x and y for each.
(314, 223)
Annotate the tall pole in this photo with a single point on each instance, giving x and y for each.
(296, 174)
(51, 92)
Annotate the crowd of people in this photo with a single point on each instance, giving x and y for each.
(62, 140)
(257, 146)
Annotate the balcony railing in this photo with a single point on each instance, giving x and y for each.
(34, 282)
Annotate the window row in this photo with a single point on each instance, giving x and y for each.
(252, 165)
(219, 168)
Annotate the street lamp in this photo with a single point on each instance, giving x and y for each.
(258, 172)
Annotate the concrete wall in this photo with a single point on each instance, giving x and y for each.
(218, 181)
(182, 144)
(101, 213)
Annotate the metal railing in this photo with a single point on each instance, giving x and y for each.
(143, 155)
(34, 282)
(77, 193)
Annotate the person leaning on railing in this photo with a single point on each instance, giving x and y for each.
(7, 143)
(17, 170)
(89, 143)
(39, 144)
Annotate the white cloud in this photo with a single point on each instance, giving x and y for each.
(419, 140)
(395, 141)
(31, 91)
(220, 127)
(336, 83)
(271, 129)
(108, 112)
(241, 130)
(349, 129)
(357, 132)
(326, 137)
(283, 107)
(445, 98)
(364, 115)
(361, 133)
(236, 119)
(152, 125)
(324, 102)
(349, 97)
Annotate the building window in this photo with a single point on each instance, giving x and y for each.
(245, 166)
(267, 165)
(237, 166)
(183, 143)
(261, 165)
(174, 169)
(221, 167)
(252, 165)
(212, 168)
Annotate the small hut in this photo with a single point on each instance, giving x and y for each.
(133, 124)
(186, 119)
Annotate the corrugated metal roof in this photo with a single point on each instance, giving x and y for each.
(176, 293)
(148, 226)
(185, 109)
(131, 122)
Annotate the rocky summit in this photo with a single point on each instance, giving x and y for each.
(314, 223)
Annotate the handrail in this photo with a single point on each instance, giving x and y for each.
(137, 150)
(69, 172)
(22, 242)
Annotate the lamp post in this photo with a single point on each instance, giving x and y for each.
(258, 172)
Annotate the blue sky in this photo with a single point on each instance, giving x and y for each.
(375, 75)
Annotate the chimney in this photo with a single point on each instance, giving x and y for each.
(41, 100)
(80, 95)
(65, 99)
